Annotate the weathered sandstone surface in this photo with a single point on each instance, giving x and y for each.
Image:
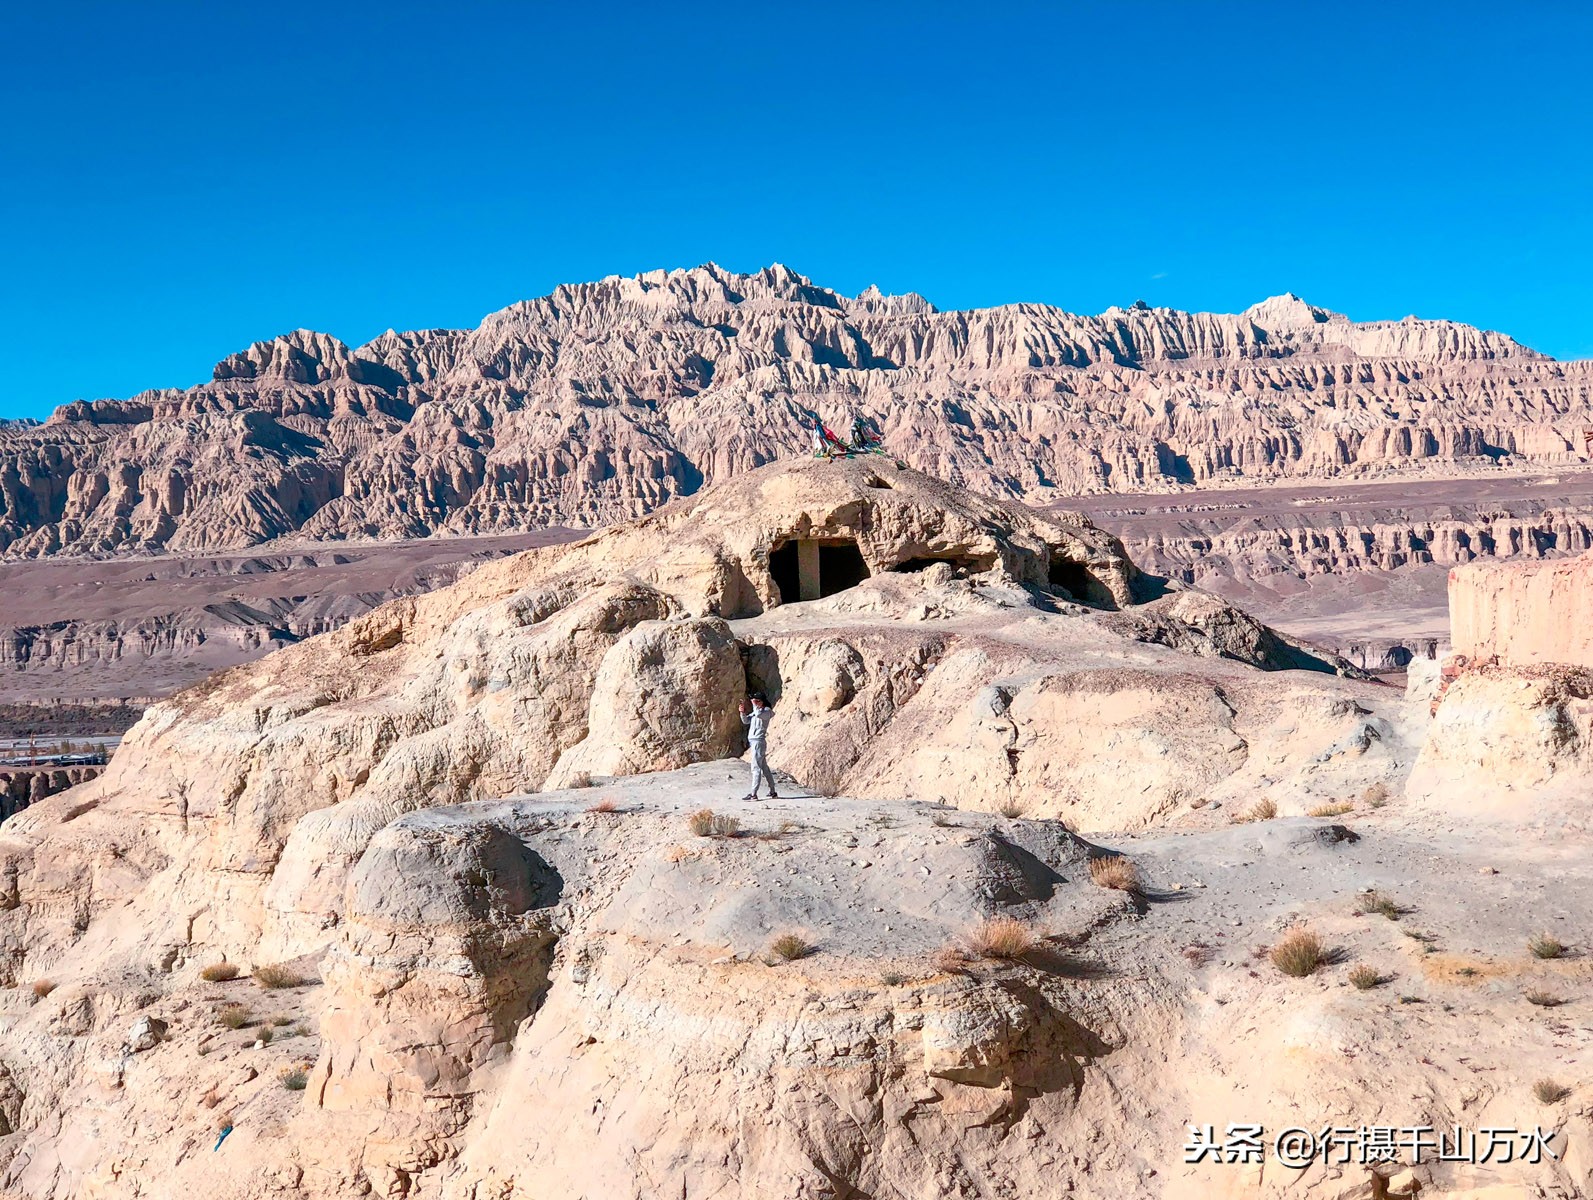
(506, 984)
(1513, 710)
(604, 400)
(1524, 613)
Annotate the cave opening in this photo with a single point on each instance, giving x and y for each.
(787, 575)
(841, 566)
(812, 568)
(966, 566)
(1072, 577)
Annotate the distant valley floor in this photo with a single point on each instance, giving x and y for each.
(1361, 568)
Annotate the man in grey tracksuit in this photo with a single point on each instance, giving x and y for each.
(756, 717)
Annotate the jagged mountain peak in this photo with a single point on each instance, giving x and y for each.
(1288, 311)
(302, 356)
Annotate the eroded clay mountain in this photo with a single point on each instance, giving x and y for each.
(499, 949)
(602, 401)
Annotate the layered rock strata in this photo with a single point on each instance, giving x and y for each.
(601, 401)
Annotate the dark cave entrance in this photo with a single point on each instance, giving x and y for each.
(1072, 577)
(812, 568)
(841, 566)
(787, 576)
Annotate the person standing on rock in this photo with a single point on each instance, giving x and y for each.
(756, 716)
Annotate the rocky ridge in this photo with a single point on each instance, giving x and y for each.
(601, 401)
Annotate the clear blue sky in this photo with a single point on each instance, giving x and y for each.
(180, 180)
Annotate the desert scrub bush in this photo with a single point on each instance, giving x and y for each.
(273, 977)
(1546, 945)
(707, 823)
(1298, 953)
(1261, 810)
(1376, 902)
(1375, 796)
(234, 1016)
(265, 1035)
(1003, 937)
(1114, 871)
(1549, 1091)
(789, 947)
(42, 988)
(1542, 999)
(581, 779)
(279, 1021)
(1011, 809)
(1364, 978)
(893, 979)
(1336, 809)
(219, 972)
(294, 1078)
(604, 806)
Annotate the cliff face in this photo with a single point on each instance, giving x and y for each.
(1524, 613)
(604, 400)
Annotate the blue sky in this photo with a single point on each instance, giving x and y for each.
(177, 181)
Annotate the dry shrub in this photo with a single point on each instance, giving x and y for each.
(1365, 978)
(581, 779)
(211, 1098)
(294, 1078)
(1376, 902)
(1546, 945)
(1298, 953)
(791, 946)
(893, 979)
(219, 972)
(1261, 810)
(1336, 809)
(264, 1035)
(1198, 954)
(234, 1016)
(1114, 871)
(1544, 999)
(1375, 796)
(278, 977)
(953, 960)
(1548, 1091)
(604, 806)
(707, 823)
(1011, 809)
(1003, 937)
(42, 988)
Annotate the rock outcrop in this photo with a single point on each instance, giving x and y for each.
(1524, 613)
(471, 982)
(602, 401)
(1513, 710)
